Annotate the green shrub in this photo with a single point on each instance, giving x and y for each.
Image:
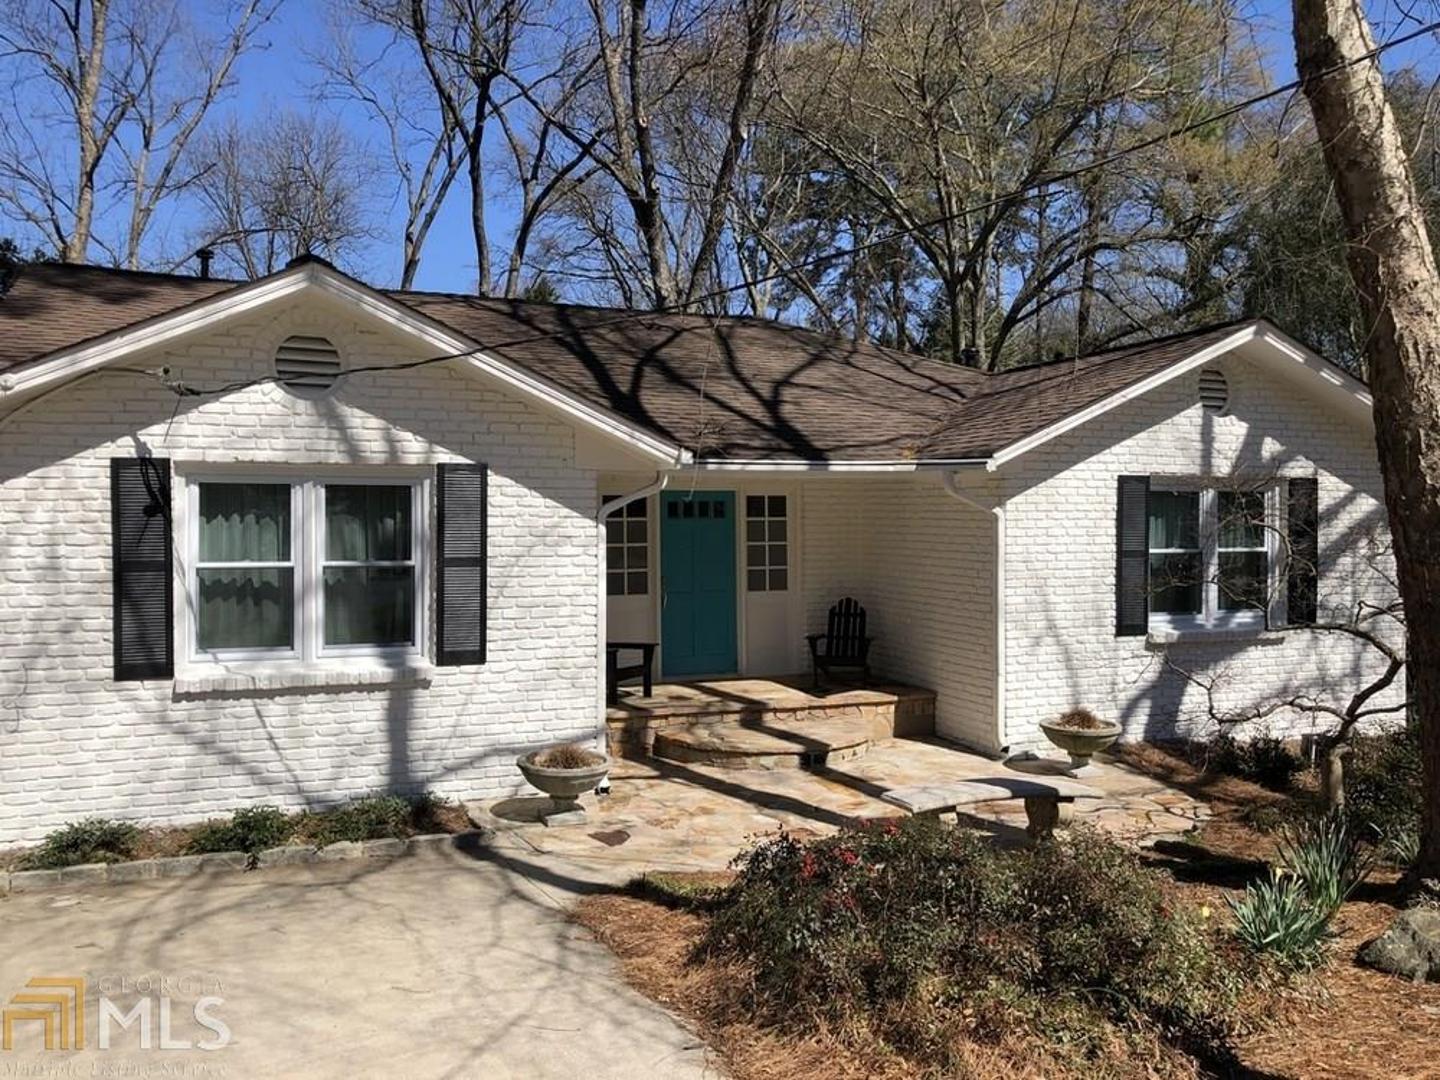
(377, 817)
(1272, 763)
(1383, 785)
(251, 830)
(912, 918)
(1264, 760)
(94, 840)
(1277, 916)
(1326, 854)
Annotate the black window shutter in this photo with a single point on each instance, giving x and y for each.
(1302, 534)
(1132, 556)
(460, 564)
(142, 569)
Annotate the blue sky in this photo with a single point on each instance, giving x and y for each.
(278, 77)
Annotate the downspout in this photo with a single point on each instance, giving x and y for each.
(998, 512)
(603, 597)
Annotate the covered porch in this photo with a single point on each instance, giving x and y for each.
(726, 573)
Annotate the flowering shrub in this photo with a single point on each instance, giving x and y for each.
(907, 919)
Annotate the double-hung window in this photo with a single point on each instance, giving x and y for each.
(369, 565)
(1211, 555)
(245, 568)
(303, 569)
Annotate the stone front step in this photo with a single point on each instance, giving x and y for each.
(886, 710)
(773, 743)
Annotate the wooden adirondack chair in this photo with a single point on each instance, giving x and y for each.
(844, 643)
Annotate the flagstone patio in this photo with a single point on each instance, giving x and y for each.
(662, 815)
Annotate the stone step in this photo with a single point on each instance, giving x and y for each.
(891, 709)
(766, 742)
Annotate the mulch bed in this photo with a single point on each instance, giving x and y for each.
(1356, 1023)
(654, 944)
(1344, 1021)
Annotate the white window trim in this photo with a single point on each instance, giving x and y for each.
(307, 554)
(1211, 617)
(625, 515)
(767, 543)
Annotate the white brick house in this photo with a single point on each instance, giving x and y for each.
(229, 575)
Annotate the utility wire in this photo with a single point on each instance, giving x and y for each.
(680, 307)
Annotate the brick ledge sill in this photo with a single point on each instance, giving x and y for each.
(1250, 636)
(412, 673)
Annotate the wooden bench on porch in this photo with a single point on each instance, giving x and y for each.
(1042, 797)
(614, 672)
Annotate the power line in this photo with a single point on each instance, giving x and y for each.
(680, 307)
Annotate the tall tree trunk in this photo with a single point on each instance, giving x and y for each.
(1394, 269)
(475, 172)
(87, 97)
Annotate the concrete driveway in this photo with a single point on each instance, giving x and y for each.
(443, 964)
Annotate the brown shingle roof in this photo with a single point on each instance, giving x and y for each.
(769, 390)
(1023, 401)
(50, 306)
(728, 388)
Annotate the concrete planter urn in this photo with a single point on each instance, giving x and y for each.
(563, 781)
(1080, 734)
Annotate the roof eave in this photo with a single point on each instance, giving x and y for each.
(1347, 390)
(838, 465)
(98, 352)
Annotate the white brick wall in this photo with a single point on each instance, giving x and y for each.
(920, 561)
(1061, 645)
(75, 744)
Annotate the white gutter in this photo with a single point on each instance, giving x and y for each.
(602, 595)
(998, 511)
(791, 465)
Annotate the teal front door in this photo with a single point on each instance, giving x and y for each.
(697, 583)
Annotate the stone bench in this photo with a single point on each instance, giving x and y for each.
(1042, 797)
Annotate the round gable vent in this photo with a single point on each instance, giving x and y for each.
(1214, 391)
(307, 365)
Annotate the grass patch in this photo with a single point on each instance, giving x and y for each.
(683, 891)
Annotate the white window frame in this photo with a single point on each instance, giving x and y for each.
(638, 510)
(1211, 616)
(767, 544)
(307, 552)
(318, 531)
